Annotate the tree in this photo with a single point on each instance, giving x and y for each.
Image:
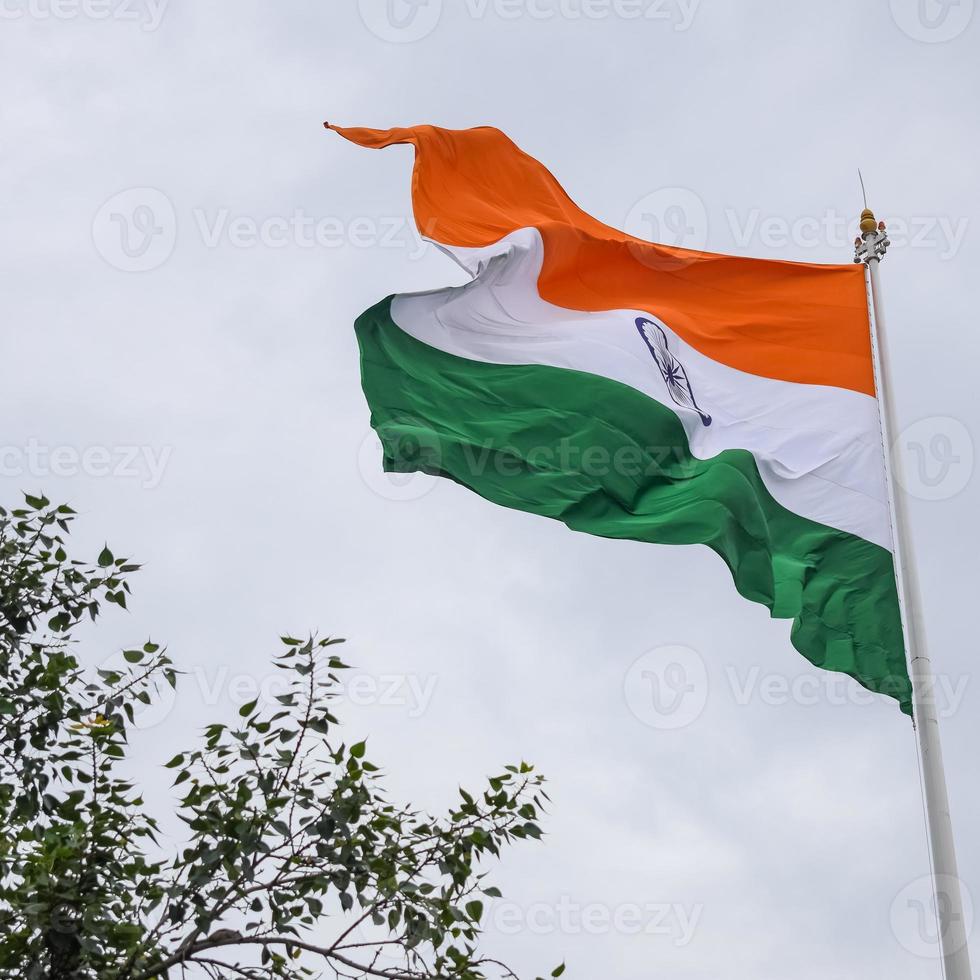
(289, 837)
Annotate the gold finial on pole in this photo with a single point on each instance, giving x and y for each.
(869, 222)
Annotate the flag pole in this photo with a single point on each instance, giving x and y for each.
(870, 249)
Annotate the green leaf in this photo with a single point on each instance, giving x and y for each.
(60, 622)
(280, 777)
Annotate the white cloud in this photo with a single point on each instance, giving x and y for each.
(793, 825)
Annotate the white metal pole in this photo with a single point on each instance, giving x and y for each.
(871, 248)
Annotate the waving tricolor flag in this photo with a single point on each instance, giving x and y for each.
(635, 390)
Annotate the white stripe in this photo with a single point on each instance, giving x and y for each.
(818, 448)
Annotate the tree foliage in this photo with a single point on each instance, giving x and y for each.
(294, 863)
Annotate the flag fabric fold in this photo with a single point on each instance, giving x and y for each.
(641, 391)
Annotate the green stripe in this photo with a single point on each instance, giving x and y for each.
(606, 459)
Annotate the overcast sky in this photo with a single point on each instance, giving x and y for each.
(184, 250)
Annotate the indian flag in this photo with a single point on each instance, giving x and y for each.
(635, 390)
